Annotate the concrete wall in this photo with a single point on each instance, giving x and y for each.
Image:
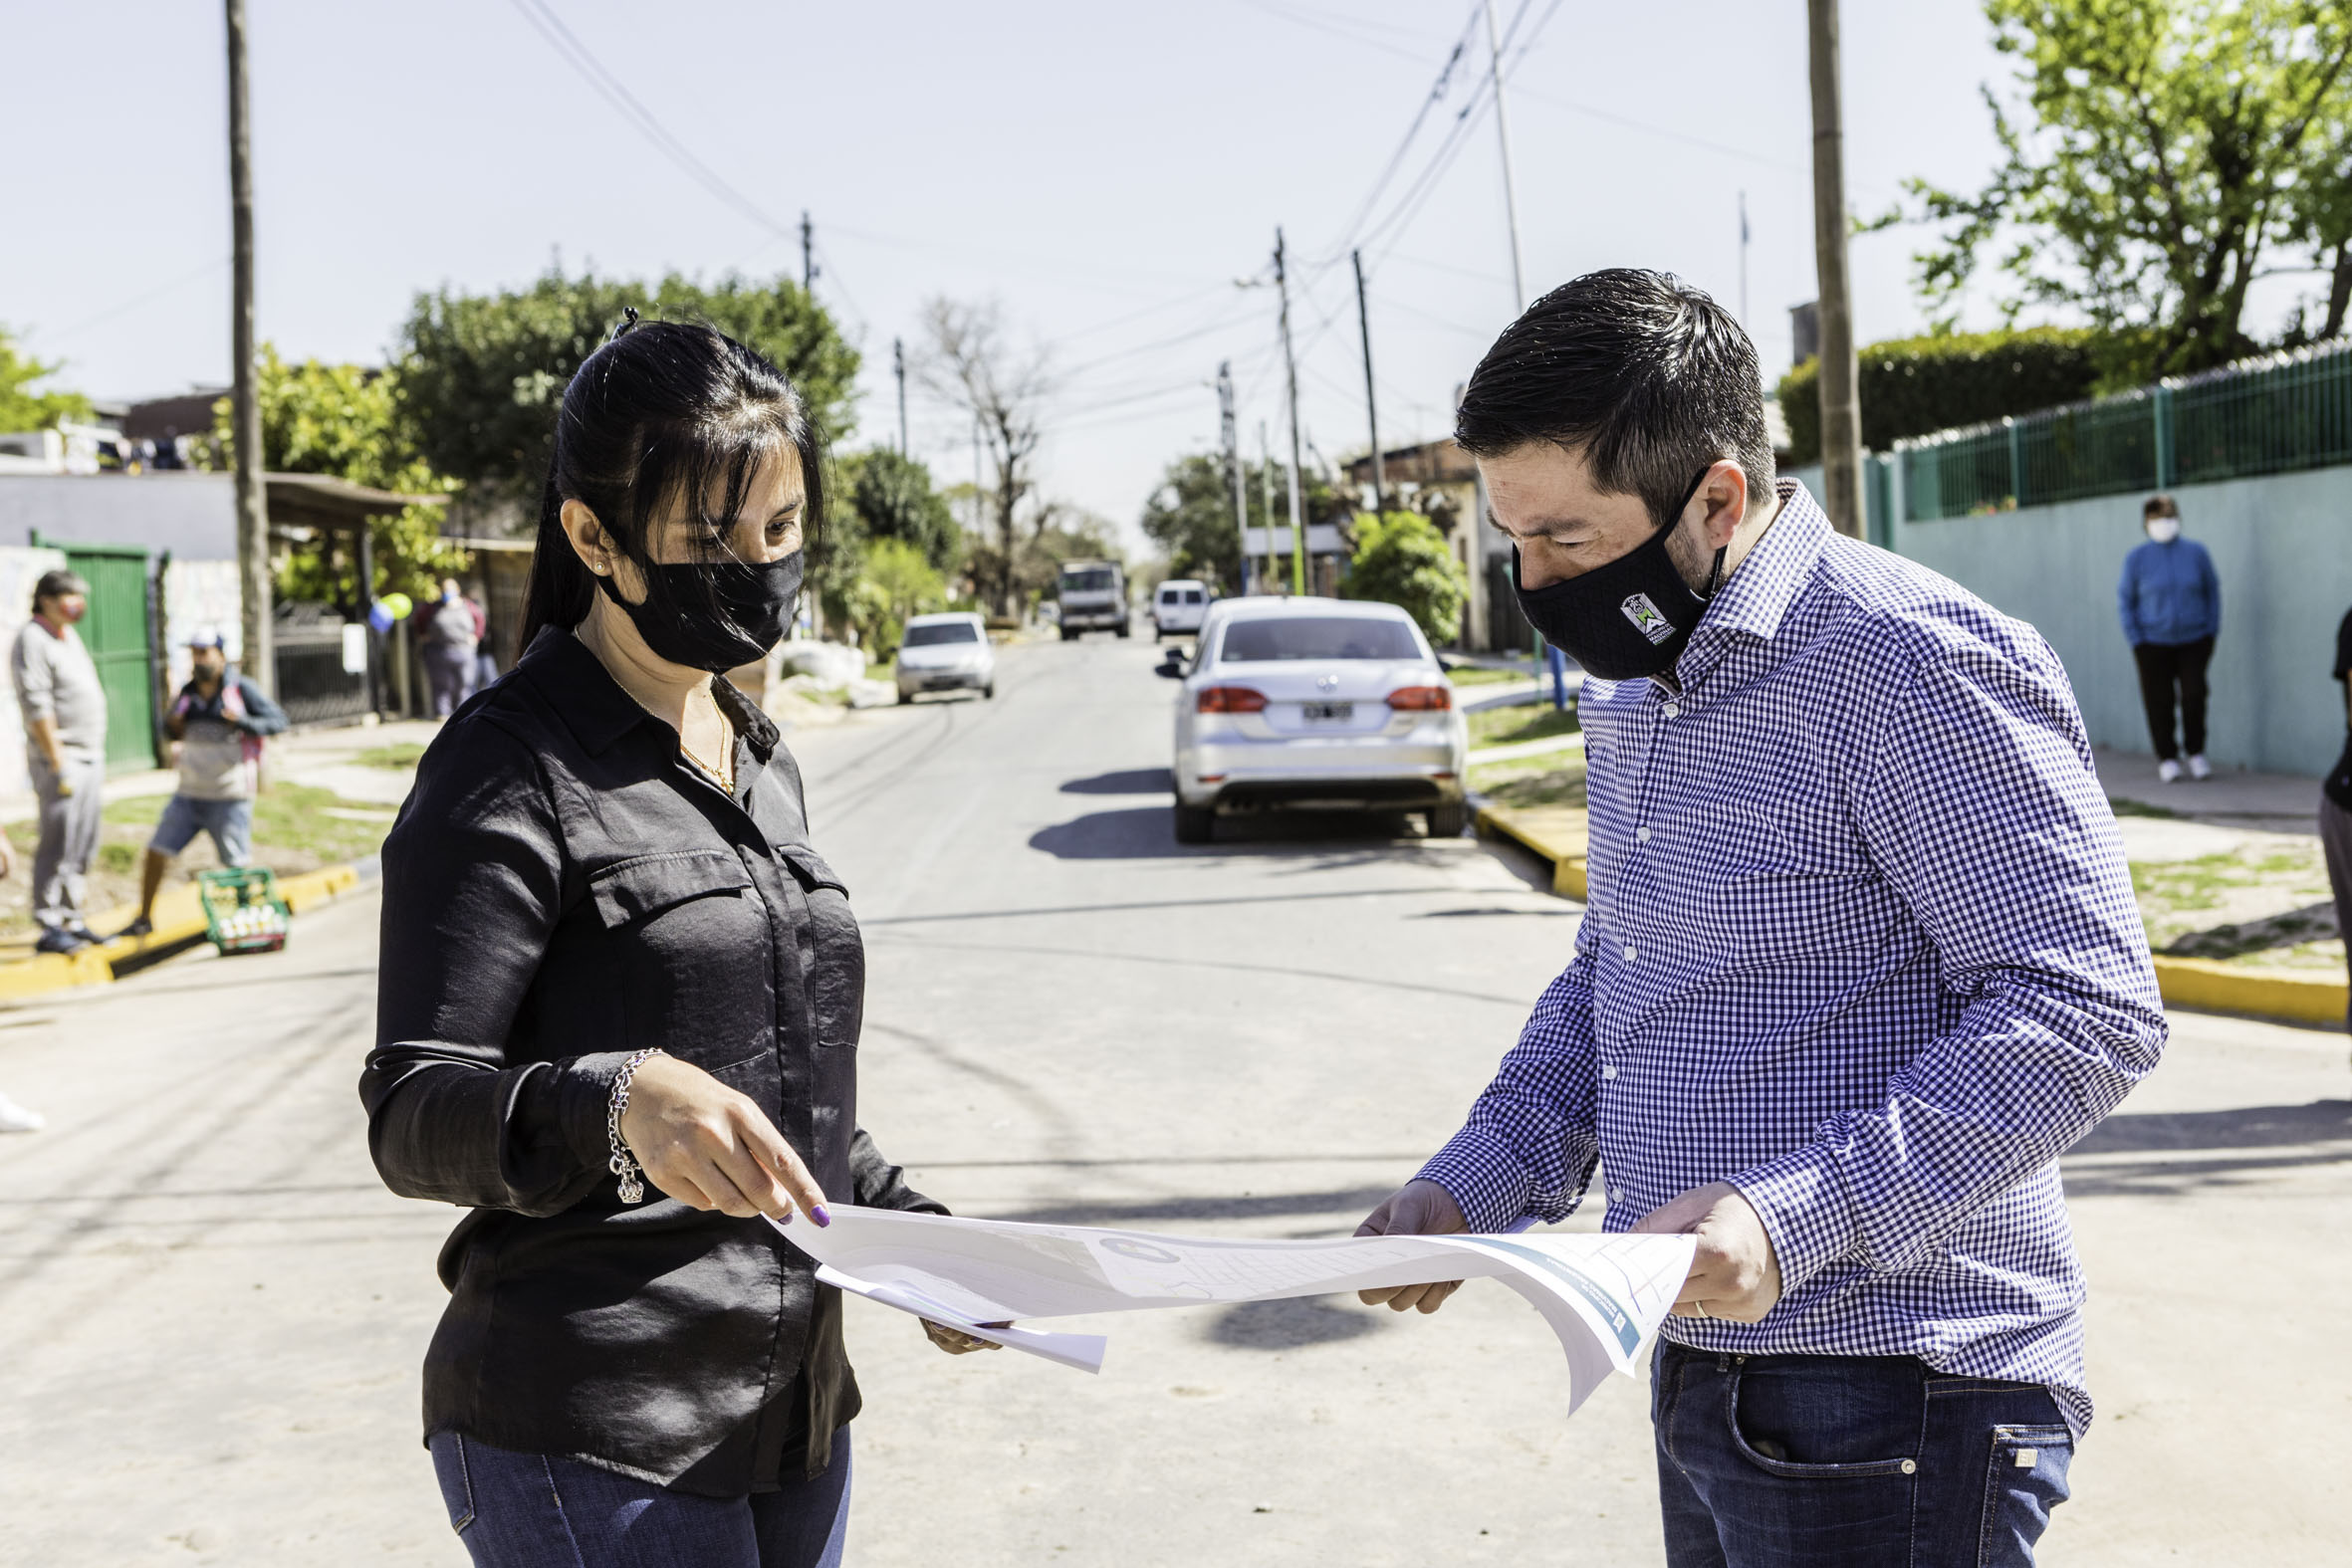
(2282, 545)
(194, 516)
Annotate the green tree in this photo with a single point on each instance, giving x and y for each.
(1189, 516)
(341, 420)
(22, 408)
(481, 374)
(1401, 558)
(893, 498)
(897, 582)
(2161, 169)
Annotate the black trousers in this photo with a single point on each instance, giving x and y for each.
(2163, 665)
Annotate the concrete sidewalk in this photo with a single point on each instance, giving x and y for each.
(2232, 797)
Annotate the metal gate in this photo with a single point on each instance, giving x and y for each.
(117, 631)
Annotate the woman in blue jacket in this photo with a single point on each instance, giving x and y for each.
(2172, 611)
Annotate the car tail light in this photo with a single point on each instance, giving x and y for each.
(1421, 699)
(1230, 699)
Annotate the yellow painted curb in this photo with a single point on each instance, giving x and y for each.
(2224, 988)
(179, 918)
(2184, 982)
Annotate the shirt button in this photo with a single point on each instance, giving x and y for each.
(1910, 1467)
(1672, 710)
(1616, 1194)
(1609, 1072)
(1641, 835)
(1632, 953)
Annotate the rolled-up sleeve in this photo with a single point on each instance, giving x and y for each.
(1531, 1141)
(473, 885)
(1982, 811)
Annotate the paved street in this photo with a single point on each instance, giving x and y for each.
(215, 1313)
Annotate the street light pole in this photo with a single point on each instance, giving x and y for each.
(898, 362)
(807, 254)
(253, 523)
(1229, 437)
(1518, 286)
(1281, 282)
(1842, 407)
(1364, 323)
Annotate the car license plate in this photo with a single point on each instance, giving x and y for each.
(1328, 712)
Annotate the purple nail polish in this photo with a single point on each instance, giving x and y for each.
(816, 1213)
(785, 1217)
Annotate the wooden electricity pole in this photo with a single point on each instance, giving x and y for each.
(1841, 405)
(253, 523)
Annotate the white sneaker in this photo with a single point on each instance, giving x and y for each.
(2199, 768)
(2168, 770)
(15, 1118)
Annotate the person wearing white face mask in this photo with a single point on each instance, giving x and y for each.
(2171, 603)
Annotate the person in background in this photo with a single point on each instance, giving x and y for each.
(65, 714)
(2172, 611)
(218, 718)
(451, 641)
(485, 661)
(15, 1117)
(2335, 802)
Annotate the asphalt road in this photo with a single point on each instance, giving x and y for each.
(215, 1313)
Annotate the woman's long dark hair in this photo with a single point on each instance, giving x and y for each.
(662, 411)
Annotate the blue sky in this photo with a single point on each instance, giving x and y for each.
(1108, 171)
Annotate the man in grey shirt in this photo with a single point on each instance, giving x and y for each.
(65, 711)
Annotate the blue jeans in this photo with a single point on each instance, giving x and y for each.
(230, 822)
(1850, 1462)
(525, 1510)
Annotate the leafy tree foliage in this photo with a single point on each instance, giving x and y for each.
(341, 420)
(893, 498)
(22, 408)
(481, 375)
(2163, 154)
(1190, 515)
(1401, 558)
(898, 580)
(1915, 385)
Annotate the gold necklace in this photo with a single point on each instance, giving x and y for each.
(724, 772)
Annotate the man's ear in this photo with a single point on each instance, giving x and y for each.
(1725, 494)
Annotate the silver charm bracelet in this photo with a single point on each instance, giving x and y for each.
(624, 1164)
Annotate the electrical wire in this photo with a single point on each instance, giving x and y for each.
(581, 59)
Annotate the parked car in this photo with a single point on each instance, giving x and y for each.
(1316, 702)
(1181, 604)
(949, 652)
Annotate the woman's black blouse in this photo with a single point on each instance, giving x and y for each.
(563, 889)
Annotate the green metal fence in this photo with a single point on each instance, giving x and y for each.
(2264, 416)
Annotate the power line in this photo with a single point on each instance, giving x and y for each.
(581, 59)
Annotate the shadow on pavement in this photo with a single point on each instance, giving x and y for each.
(2198, 1148)
(1147, 832)
(1286, 1325)
(1133, 780)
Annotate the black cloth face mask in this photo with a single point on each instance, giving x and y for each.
(755, 604)
(1627, 617)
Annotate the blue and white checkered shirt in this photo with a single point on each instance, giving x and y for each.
(1861, 942)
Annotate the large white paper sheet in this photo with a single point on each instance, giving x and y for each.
(1602, 1295)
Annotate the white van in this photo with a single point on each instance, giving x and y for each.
(1179, 606)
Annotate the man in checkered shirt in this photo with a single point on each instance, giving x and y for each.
(1861, 960)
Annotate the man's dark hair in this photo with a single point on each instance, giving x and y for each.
(56, 586)
(1647, 377)
(2160, 507)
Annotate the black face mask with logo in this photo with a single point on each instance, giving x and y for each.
(754, 607)
(1628, 618)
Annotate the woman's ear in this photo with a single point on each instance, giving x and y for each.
(595, 552)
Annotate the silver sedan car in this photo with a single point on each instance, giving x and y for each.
(1316, 702)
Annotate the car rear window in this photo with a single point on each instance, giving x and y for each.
(942, 632)
(1171, 596)
(1192, 595)
(1085, 579)
(1318, 637)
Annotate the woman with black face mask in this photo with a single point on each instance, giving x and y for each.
(618, 1009)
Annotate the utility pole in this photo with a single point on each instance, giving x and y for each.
(1281, 282)
(1518, 286)
(253, 522)
(1841, 405)
(1743, 265)
(1364, 323)
(1229, 438)
(807, 254)
(898, 362)
(1266, 578)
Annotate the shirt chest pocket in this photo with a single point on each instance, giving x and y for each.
(833, 953)
(691, 955)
